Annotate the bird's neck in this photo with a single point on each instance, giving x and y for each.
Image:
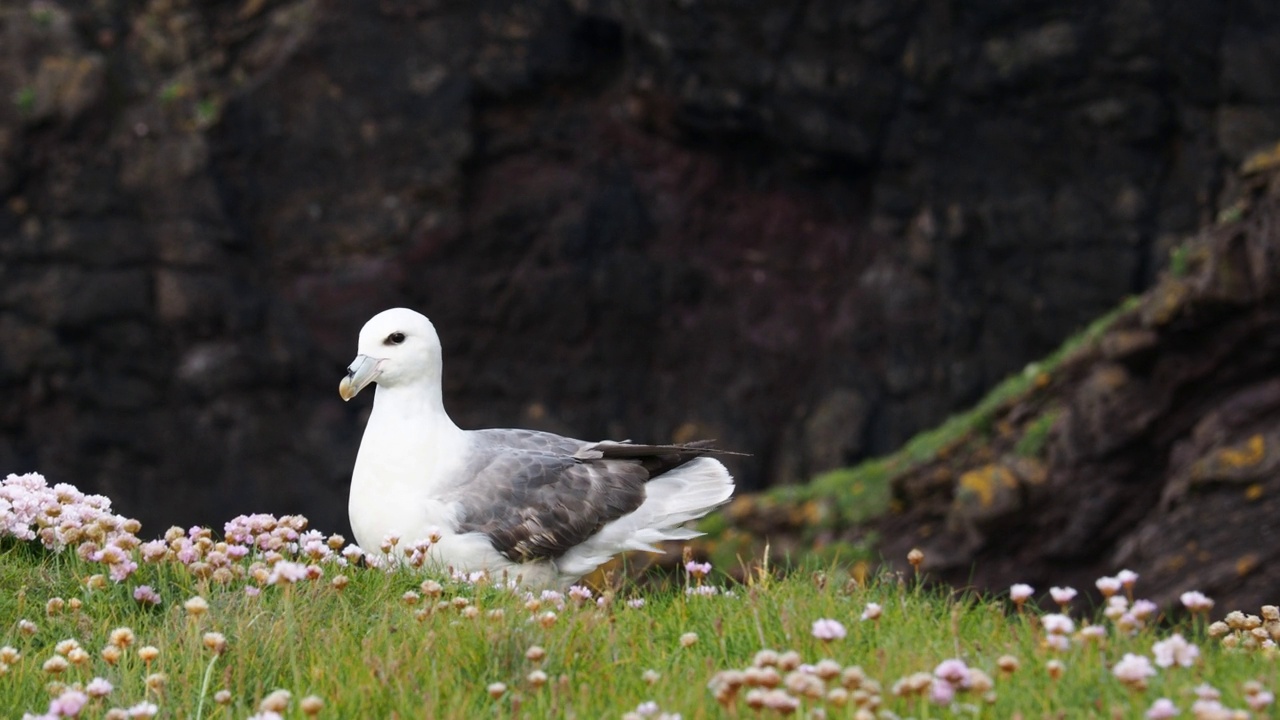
(418, 407)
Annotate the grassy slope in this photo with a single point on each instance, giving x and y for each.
(366, 654)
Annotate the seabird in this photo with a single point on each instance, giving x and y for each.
(543, 508)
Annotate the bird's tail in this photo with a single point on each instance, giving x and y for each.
(673, 498)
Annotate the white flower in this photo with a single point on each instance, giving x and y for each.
(1062, 595)
(1058, 624)
(1162, 709)
(828, 629)
(1133, 670)
(98, 687)
(1020, 592)
(1127, 578)
(1175, 650)
(1196, 601)
(871, 611)
(1108, 586)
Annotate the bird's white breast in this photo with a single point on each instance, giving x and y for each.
(400, 472)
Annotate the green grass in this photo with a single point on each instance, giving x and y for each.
(368, 653)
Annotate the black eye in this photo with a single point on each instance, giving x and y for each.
(394, 338)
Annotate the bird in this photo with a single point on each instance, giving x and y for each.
(541, 509)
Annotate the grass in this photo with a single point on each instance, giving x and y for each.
(366, 651)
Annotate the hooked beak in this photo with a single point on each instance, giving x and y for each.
(362, 371)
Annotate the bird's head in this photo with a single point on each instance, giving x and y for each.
(397, 347)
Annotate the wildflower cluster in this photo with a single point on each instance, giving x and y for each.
(783, 681)
(61, 516)
(1249, 632)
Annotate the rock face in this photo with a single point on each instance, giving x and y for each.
(806, 229)
(1154, 446)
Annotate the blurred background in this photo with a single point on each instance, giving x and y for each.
(808, 229)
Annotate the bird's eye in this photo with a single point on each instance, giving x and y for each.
(394, 338)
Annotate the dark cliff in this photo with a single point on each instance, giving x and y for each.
(807, 229)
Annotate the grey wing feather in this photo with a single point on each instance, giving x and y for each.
(537, 494)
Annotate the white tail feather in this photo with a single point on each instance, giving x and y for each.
(672, 499)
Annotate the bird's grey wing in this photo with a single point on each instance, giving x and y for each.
(535, 504)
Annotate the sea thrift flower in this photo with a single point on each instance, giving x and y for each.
(276, 701)
(635, 603)
(287, 573)
(496, 690)
(146, 595)
(55, 665)
(688, 639)
(1162, 709)
(535, 653)
(827, 630)
(1175, 650)
(697, 570)
(1062, 595)
(1259, 701)
(1143, 609)
(650, 676)
(143, 709)
(1058, 624)
(579, 593)
(536, 678)
(222, 697)
(1055, 668)
(196, 606)
(216, 642)
(1133, 670)
(872, 611)
(68, 704)
(1127, 578)
(148, 653)
(941, 692)
(98, 687)
(121, 637)
(1007, 663)
(953, 671)
(1108, 586)
(1020, 593)
(312, 704)
(1196, 601)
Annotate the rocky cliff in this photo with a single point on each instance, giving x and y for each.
(1151, 441)
(809, 229)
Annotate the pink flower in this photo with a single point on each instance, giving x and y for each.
(1260, 701)
(871, 611)
(827, 630)
(1127, 578)
(635, 603)
(1133, 670)
(146, 595)
(287, 573)
(1162, 709)
(954, 671)
(697, 569)
(1196, 601)
(98, 687)
(1021, 592)
(1058, 624)
(1175, 650)
(68, 704)
(941, 692)
(1062, 595)
(1143, 609)
(1108, 586)
(579, 593)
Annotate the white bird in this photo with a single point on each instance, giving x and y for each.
(543, 508)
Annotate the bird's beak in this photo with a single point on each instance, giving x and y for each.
(362, 371)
